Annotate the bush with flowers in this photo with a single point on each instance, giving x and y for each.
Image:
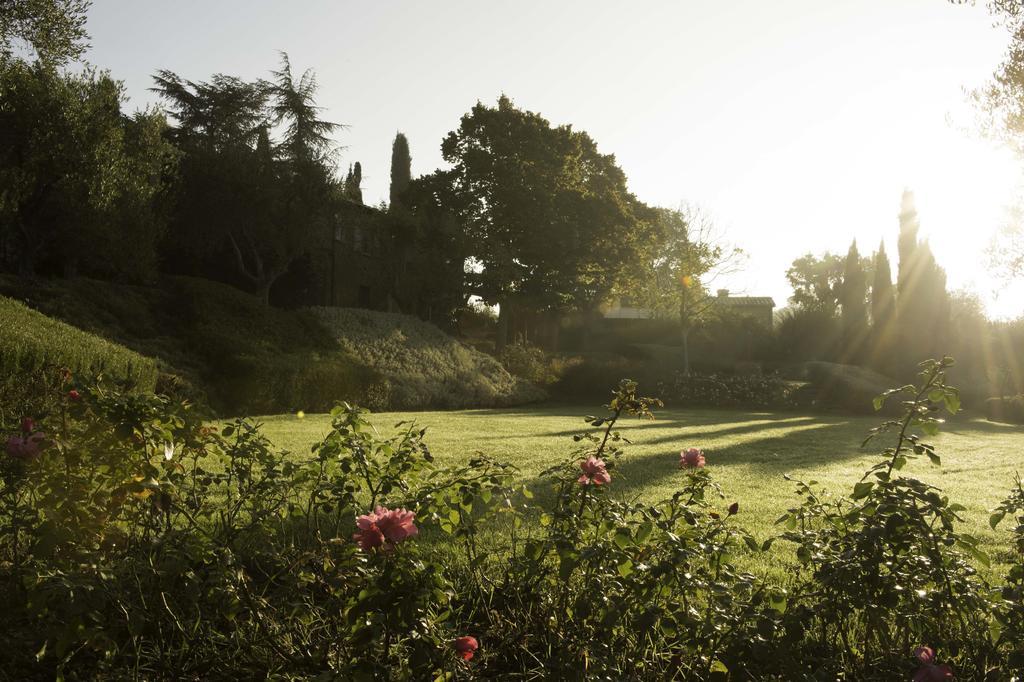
(135, 541)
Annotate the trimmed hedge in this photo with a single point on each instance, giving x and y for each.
(847, 388)
(425, 367)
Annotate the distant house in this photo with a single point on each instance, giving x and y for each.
(759, 308)
(356, 273)
(623, 309)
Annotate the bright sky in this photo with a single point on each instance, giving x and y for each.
(796, 124)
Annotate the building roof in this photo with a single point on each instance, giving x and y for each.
(744, 301)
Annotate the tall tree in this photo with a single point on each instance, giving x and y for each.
(265, 202)
(78, 177)
(922, 302)
(401, 168)
(883, 298)
(549, 220)
(353, 183)
(853, 293)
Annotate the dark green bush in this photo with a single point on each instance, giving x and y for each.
(723, 390)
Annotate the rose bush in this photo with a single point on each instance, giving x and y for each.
(137, 541)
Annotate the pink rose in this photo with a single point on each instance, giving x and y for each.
(27, 425)
(924, 655)
(74, 395)
(691, 458)
(396, 524)
(384, 528)
(594, 471)
(465, 647)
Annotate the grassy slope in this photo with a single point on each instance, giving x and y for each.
(748, 451)
(30, 340)
(425, 366)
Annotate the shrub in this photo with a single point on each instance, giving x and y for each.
(133, 537)
(718, 390)
(424, 366)
(531, 363)
(847, 388)
(1009, 410)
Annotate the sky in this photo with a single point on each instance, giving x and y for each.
(795, 124)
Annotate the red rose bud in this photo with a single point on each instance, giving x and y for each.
(74, 395)
(734, 508)
(465, 647)
(28, 425)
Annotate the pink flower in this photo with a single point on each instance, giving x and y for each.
(384, 528)
(466, 647)
(74, 395)
(924, 655)
(594, 471)
(691, 458)
(933, 673)
(24, 447)
(27, 425)
(396, 524)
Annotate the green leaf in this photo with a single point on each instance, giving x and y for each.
(625, 569)
(623, 538)
(934, 458)
(862, 489)
(994, 520)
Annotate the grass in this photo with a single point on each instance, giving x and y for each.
(31, 341)
(749, 453)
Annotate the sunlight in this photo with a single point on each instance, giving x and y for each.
(963, 188)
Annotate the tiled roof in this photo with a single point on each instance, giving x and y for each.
(747, 300)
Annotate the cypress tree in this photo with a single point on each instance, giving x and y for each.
(883, 298)
(353, 182)
(401, 168)
(853, 298)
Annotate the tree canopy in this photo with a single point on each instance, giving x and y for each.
(549, 220)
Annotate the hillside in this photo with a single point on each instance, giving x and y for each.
(423, 365)
(223, 348)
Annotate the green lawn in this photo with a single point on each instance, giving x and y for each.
(748, 452)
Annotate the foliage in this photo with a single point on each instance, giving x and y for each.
(401, 169)
(816, 281)
(683, 258)
(724, 390)
(530, 362)
(425, 367)
(853, 297)
(136, 538)
(81, 180)
(548, 219)
(54, 30)
(242, 196)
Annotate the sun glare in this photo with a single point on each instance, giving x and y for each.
(964, 188)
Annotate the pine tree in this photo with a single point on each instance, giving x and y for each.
(883, 298)
(401, 168)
